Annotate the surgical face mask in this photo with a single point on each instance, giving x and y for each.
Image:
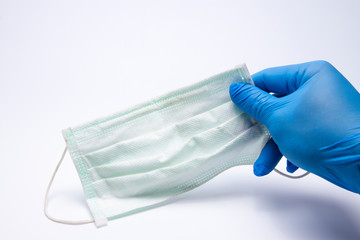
(134, 160)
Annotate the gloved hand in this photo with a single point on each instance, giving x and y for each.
(313, 118)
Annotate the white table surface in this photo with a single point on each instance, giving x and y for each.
(63, 63)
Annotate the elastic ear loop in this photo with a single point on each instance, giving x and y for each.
(290, 176)
(46, 200)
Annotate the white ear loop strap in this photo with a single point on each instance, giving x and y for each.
(46, 199)
(290, 176)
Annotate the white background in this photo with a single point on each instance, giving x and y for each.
(63, 63)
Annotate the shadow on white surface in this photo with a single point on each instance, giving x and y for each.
(291, 210)
(299, 214)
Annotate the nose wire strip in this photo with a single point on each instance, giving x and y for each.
(46, 199)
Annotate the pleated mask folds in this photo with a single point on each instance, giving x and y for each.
(138, 158)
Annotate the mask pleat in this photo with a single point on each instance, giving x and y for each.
(191, 153)
(184, 150)
(175, 134)
(166, 182)
(151, 123)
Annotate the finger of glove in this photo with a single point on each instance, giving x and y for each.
(286, 79)
(290, 167)
(268, 159)
(252, 100)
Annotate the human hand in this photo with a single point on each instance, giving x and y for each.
(313, 118)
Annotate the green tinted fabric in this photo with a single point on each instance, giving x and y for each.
(140, 157)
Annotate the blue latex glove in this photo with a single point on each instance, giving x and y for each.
(315, 123)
